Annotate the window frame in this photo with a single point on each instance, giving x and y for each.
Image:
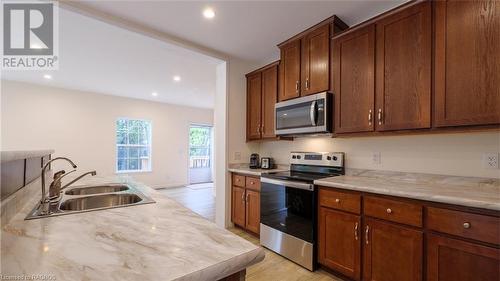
(150, 145)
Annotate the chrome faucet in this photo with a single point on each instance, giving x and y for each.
(44, 202)
(55, 187)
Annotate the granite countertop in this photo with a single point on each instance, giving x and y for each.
(160, 241)
(244, 169)
(481, 193)
(7, 156)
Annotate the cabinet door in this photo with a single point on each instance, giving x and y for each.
(354, 80)
(316, 61)
(253, 211)
(290, 71)
(254, 104)
(238, 206)
(454, 260)
(403, 75)
(339, 242)
(269, 96)
(467, 63)
(392, 252)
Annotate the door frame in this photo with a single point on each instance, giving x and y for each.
(212, 162)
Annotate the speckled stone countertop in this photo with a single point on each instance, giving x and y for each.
(481, 193)
(244, 169)
(160, 241)
(7, 156)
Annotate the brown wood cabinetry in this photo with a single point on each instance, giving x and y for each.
(289, 71)
(454, 260)
(339, 243)
(392, 252)
(262, 91)
(396, 239)
(354, 81)
(403, 69)
(315, 61)
(401, 98)
(305, 60)
(467, 63)
(245, 202)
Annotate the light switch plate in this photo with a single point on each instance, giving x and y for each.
(237, 155)
(376, 158)
(490, 160)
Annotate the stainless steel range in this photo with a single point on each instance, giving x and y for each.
(288, 205)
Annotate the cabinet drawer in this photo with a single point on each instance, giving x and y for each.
(239, 180)
(253, 183)
(473, 226)
(340, 200)
(393, 210)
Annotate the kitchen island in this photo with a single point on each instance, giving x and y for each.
(159, 241)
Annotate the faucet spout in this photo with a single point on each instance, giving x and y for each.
(92, 173)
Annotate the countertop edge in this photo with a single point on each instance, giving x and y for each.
(430, 198)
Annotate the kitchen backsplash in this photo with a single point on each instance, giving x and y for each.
(448, 154)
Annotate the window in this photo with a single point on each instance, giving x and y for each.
(133, 145)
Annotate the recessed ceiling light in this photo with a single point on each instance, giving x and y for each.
(177, 78)
(209, 13)
(47, 76)
(154, 94)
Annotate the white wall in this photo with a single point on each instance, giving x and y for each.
(81, 125)
(451, 154)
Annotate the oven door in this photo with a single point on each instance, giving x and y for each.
(288, 207)
(303, 115)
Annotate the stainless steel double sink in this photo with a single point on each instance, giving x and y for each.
(91, 198)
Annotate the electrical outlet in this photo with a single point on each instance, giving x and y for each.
(237, 156)
(376, 158)
(490, 160)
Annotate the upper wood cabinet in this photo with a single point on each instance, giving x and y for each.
(403, 69)
(262, 91)
(254, 105)
(354, 80)
(315, 61)
(467, 63)
(290, 71)
(305, 60)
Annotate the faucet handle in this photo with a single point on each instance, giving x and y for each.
(58, 174)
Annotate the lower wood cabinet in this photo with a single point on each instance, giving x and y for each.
(339, 244)
(454, 260)
(398, 239)
(245, 202)
(392, 252)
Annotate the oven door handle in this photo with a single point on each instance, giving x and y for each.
(313, 113)
(294, 184)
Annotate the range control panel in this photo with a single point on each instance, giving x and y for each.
(332, 159)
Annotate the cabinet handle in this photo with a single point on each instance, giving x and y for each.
(369, 117)
(307, 83)
(380, 116)
(356, 232)
(367, 232)
(389, 210)
(297, 86)
(467, 225)
(243, 197)
(247, 198)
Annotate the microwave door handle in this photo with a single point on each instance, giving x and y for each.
(313, 113)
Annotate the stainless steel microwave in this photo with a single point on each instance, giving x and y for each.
(306, 115)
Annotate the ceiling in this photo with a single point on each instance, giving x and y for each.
(98, 57)
(248, 30)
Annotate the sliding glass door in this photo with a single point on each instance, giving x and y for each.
(200, 154)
